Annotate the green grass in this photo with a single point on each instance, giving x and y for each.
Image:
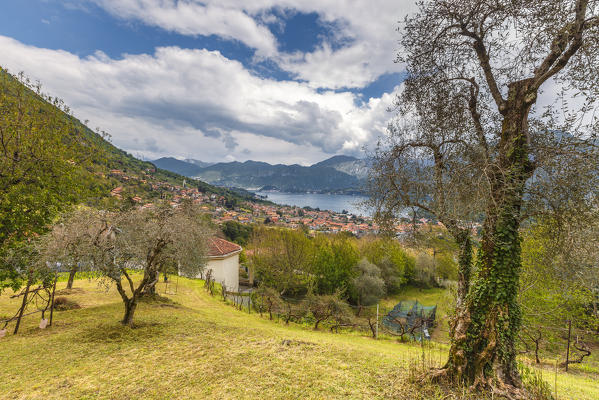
(199, 347)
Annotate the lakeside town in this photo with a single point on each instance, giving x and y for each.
(316, 220)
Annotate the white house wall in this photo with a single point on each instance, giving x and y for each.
(224, 270)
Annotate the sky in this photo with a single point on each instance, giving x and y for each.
(287, 81)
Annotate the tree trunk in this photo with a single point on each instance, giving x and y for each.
(372, 326)
(23, 304)
(72, 273)
(316, 324)
(130, 303)
(486, 327)
(464, 267)
(150, 288)
(130, 307)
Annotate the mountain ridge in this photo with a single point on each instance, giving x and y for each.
(337, 174)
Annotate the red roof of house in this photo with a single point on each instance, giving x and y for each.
(218, 247)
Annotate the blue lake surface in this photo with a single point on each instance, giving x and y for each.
(333, 202)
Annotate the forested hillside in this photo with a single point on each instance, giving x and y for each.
(50, 160)
(90, 153)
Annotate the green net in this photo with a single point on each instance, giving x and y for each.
(411, 318)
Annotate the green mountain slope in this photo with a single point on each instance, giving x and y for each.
(99, 166)
(49, 161)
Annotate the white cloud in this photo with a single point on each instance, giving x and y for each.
(199, 104)
(369, 27)
(196, 18)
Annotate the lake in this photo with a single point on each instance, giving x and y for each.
(333, 202)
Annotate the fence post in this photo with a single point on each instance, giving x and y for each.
(556, 378)
(52, 300)
(568, 349)
(422, 339)
(376, 334)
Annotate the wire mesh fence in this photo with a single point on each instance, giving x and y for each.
(408, 320)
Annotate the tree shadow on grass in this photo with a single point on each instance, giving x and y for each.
(118, 333)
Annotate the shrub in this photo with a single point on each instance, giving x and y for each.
(368, 286)
(328, 308)
(267, 299)
(395, 264)
(63, 304)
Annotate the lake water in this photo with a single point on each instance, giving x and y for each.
(333, 202)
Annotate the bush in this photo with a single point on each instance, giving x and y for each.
(63, 304)
(368, 287)
(266, 299)
(447, 268)
(395, 264)
(237, 232)
(329, 308)
(334, 262)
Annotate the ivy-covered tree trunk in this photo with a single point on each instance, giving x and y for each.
(464, 267)
(486, 326)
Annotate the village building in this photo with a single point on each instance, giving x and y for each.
(223, 261)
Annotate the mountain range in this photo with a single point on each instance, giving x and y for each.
(338, 174)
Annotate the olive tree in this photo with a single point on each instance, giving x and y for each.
(368, 285)
(117, 244)
(328, 307)
(499, 97)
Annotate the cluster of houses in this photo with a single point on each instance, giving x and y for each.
(174, 193)
(249, 212)
(295, 217)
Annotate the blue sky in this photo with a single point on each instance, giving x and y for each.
(291, 81)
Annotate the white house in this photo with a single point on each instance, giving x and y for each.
(223, 261)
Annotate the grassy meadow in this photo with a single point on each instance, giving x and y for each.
(195, 346)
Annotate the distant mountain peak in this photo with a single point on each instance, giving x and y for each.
(338, 173)
(199, 163)
(335, 160)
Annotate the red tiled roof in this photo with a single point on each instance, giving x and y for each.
(218, 247)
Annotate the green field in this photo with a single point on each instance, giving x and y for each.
(199, 347)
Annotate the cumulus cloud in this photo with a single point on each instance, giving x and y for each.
(367, 28)
(199, 104)
(196, 18)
